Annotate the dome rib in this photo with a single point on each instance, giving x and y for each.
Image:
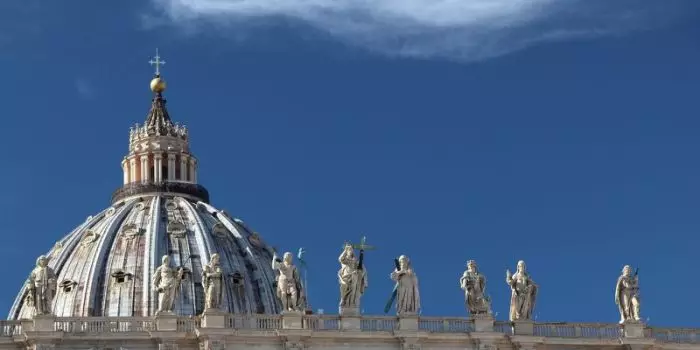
(93, 297)
(105, 266)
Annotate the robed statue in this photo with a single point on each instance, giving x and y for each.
(212, 281)
(407, 294)
(166, 281)
(523, 293)
(42, 286)
(474, 285)
(352, 278)
(627, 295)
(289, 287)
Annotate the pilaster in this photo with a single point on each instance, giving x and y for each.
(483, 323)
(171, 166)
(213, 318)
(350, 319)
(408, 322)
(183, 167)
(524, 327)
(158, 167)
(292, 320)
(166, 322)
(125, 170)
(132, 169)
(210, 343)
(193, 170)
(633, 329)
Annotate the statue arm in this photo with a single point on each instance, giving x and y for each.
(463, 280)
(618, 290)
(155, 280)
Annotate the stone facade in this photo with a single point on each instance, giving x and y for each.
(268, 332)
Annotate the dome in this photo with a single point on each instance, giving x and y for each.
(104, 267)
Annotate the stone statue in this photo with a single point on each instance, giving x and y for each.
(352, 277)
(212, 280)
(627, 295)
(474, 285)
(166, 281)
(289, 287)
(523, 293)
(407, 293)
(42, 286)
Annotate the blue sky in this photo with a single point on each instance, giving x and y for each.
(562, 132)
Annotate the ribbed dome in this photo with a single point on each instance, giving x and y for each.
(104, 266)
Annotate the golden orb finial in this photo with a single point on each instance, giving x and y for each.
(158, 84)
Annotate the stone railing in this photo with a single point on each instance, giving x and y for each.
(334, 323)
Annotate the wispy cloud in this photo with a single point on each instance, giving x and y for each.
(84, 88)
(452, 29)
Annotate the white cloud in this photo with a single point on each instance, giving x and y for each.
(452, 29)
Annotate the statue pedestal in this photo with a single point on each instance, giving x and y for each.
(633, 329)
(292, 320)
(483, 323)
(44, 323)
(524, 327)
(213, 318)
(166, 321)
(408, 322)
(350, 319)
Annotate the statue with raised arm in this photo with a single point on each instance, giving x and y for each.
(406, 290)
(352, 277)
(523, 293)
(212, 281)
(627, 295)
(474, 285)
(289, 287)
(166, 281)
(42, 286)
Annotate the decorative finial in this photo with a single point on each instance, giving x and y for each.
(158, 83)
(157, 62)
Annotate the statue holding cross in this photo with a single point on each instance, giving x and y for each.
(352, 276)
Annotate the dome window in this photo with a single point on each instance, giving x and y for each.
(119, 276)
(67, 285)
(171, 205)
(89, 238)
(237, 279)
(219, 229)
(110, 212)
(176, 229)
(130, 231)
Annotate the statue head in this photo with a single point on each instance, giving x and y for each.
(42, 261)
(471, 266)
(627, 271)
(404, 261)
(288, 258)
(521, 266)
(215, 259)
(348, 249)
(165, 260)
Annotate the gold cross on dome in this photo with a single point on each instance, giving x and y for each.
(157, 62)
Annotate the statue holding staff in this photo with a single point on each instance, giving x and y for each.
(627, 295)
(289, 286)
(352, 276)
(166, 281)
(406, 292)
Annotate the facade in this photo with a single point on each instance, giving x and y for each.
(163, 269)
